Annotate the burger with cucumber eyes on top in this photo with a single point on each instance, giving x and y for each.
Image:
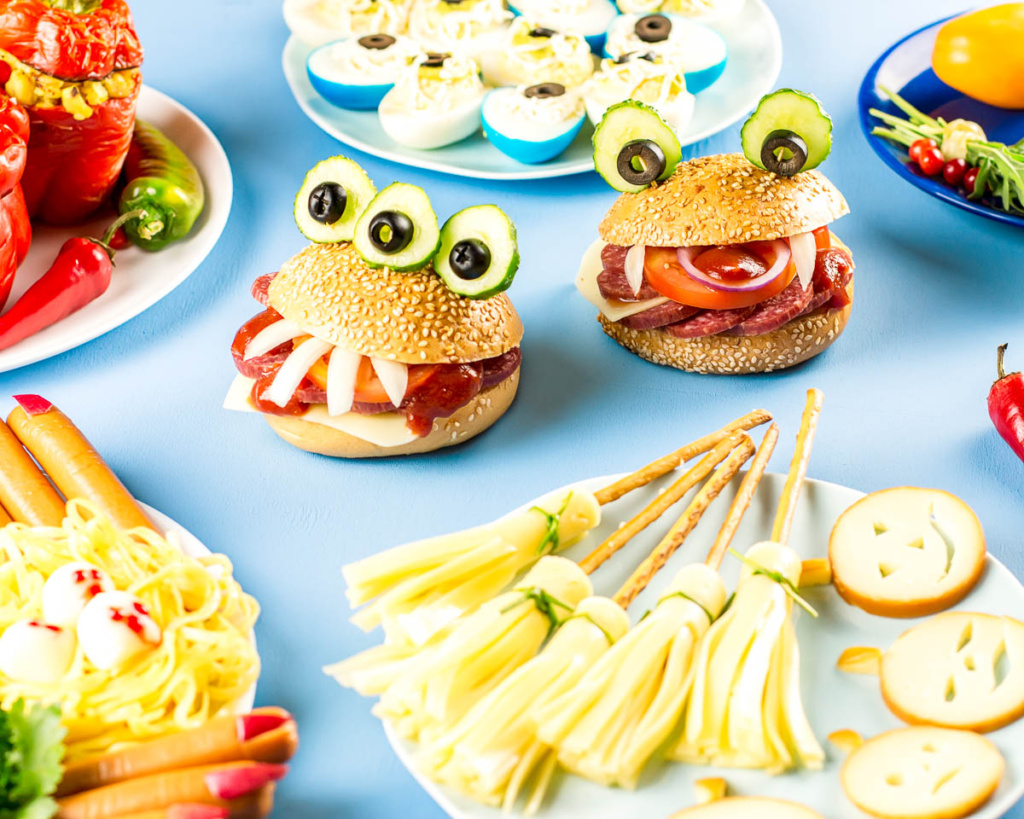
(724, 264)
(388, 335)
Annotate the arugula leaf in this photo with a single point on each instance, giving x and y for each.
(31, 750)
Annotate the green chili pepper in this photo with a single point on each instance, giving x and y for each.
(163, 183)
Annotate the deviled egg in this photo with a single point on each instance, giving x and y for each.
(436, 102)
(590, 18)
(643, 77)
(533, 124)
(703, 11)
(698, 50)
(472, 27)
(318, 22)
(532, 54)
(356, 73)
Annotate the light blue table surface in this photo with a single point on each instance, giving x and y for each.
(905, 387)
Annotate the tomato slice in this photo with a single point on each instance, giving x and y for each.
(369, 390)
(667, 276)
(822, 238)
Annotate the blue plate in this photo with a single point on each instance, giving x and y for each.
(906, 69)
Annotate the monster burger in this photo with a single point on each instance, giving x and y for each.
(724, 264)
(386, 336)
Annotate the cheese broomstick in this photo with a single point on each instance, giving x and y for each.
(745, 708)
(610, 724)
(439, 684)
(444, 577)
(373, 671)
(493, 751)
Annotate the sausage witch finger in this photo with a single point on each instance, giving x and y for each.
(256, 805)
(182, 812)
(25, 493)
(236, 785)
(4, 517)
(266, 735)
(72, 463)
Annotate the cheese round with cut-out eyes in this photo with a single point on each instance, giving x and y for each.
(922, 773)
(907, 552)
(957, 670)
(749, 807)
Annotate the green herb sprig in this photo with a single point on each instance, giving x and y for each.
(787, 585)
(552, 539)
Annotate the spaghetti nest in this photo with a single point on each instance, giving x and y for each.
(205, 665)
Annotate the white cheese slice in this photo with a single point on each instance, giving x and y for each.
(385, 430)
(586, 283)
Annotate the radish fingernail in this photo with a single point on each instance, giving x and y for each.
(197, 812)
(33, 404)
(257, 723)
(231, 783)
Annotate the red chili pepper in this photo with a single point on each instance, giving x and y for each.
(1006, 406)
(80, 274)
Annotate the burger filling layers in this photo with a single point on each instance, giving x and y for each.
(742, 290)
(293, 372)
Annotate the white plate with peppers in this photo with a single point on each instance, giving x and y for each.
(139, 278)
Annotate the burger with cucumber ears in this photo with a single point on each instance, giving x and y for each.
(388, 335)
(723, 264)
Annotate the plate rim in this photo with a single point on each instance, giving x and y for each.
(867, 98)
(211, 233)
(528, 172)
(439, 794)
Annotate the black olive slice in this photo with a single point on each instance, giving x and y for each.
(654, 28)
(544, 91)
(641, 162)
(629, 56)
(391, 231)
(784, 153)
(376, 42)
(470, 259)
(327, 202)
(540, 31)
(434, 60)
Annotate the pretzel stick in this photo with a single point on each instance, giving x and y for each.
(666, 464)
(656, 508)
(798, 467)
(744, 496)
(680, 531)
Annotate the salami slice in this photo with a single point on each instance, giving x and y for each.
(818, 300)
(260, 288)
(669, 312)
(777, 311)
(260, 365)
(709, 323)
(612, 280)
(497, 369)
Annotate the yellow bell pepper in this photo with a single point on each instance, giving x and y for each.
(981, 55)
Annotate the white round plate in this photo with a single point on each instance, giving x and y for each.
(755, 60)
(193, 547)
(833, 700)
(140, 279)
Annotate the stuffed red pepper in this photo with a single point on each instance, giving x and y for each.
(74, 66)
(15, 228)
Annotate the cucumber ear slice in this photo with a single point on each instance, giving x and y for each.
(479, 256)
(398, 229)
(332, 197)
(634, 147)
(786, 124)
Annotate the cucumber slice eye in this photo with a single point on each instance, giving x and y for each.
(332, 197)
(398, 229)
(788, 133)
(633, 147)
(479, 256)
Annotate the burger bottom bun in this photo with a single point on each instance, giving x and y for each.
(792, 344)
(463, 424)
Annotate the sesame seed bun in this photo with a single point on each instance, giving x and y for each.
(792, 344)
(722, 200)
(465, 423)
(330, 292)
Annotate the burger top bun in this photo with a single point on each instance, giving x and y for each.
(330, 292)
(722, 200)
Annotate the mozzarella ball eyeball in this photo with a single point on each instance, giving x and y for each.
(32, 651)
(69, 589)
(115, 628)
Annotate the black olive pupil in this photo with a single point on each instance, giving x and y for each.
(377, 42)
(543, 32)
(784, 153)
(641, 162)
(327, 202)
(654, 28)
(470, 259)
(435, 60)
(545, 90)
(391, 231)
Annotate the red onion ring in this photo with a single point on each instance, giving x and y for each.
(782, 257)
